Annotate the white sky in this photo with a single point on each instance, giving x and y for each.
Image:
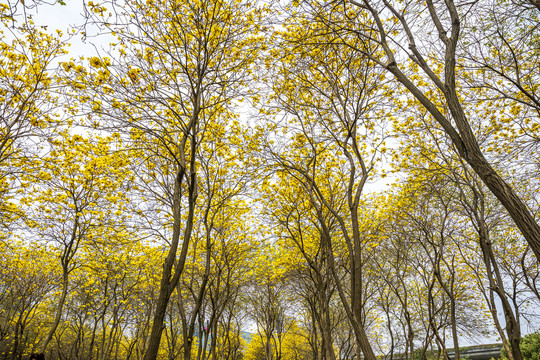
(64, 18)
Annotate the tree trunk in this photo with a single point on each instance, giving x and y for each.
(168, 281)
(364, 347)
(495, 279)
(58, 315)
(516, 208)
(467, 147)
(325, 324)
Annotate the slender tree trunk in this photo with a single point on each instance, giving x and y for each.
(166, 287)
(449, 291)
(496, 322)
(453, 316)
(268, 354)
(18, 334)
(168, 281)
(364, 346)
(202, 290)
(496, 285)
(67, 255)
(494, 277)
(326, 335)
(59, 310)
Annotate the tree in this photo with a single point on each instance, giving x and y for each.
(27, 278)
(530, 347)
(181, 67)
(305, 257)
(268, 304)
(74, 199)
(210, 279)
(427, 69)
(327, 97)
(28, 103)
(427, 155)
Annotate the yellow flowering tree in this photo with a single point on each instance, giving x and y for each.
(329, 144)
(28, 98)
(28, 276)
(421, 46)
(178, 67)
(76, 199)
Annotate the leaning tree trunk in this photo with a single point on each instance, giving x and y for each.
(68, 253)
(168, 280)
(461, 133)
(58, 314)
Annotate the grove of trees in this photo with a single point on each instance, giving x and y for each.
(270, 180)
